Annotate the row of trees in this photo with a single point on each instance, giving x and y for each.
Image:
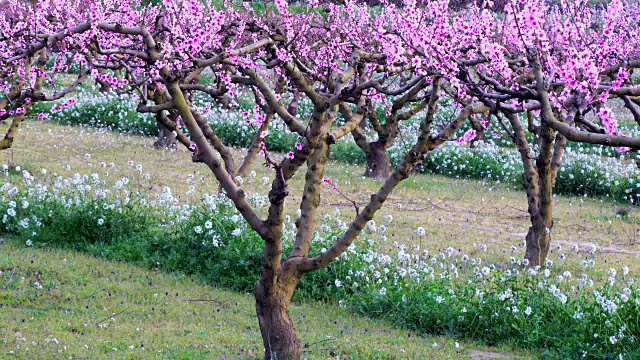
(534, 68)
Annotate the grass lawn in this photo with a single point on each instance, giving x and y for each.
(60, 304)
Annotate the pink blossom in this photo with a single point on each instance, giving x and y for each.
(283, 55)
(282, 6)
(608, 119)
(469, 135)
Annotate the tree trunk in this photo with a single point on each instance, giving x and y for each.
(278, 333)
(547, 164)
(378, 162)
(225, 102)
(364, 125)
(538, 243)
(166, 138)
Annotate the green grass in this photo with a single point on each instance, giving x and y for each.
(99, 309)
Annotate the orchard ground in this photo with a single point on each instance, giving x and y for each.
(95, 309)
(454, 212)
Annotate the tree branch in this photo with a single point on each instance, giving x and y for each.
(399, 174)
(567, 130)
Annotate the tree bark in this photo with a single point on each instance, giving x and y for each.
(105, 87)
(378, 162)
(538, 244)
(274, 289)
(278, 333)
(539, 235)
(537, 239)
(363, 125)
(166, 137)
(475, 125)
(225, 102)
(165, 123)
(12, 131)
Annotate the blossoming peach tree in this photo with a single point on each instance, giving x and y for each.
(329, 58)
(560, 65)
(32, 56)
(546, 62)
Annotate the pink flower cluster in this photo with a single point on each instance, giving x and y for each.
(468, 136)
(327, 181)
(587, 54)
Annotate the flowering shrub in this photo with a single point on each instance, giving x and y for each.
(454, 293)
(117, 112)
(501, 139)
(568, 312)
